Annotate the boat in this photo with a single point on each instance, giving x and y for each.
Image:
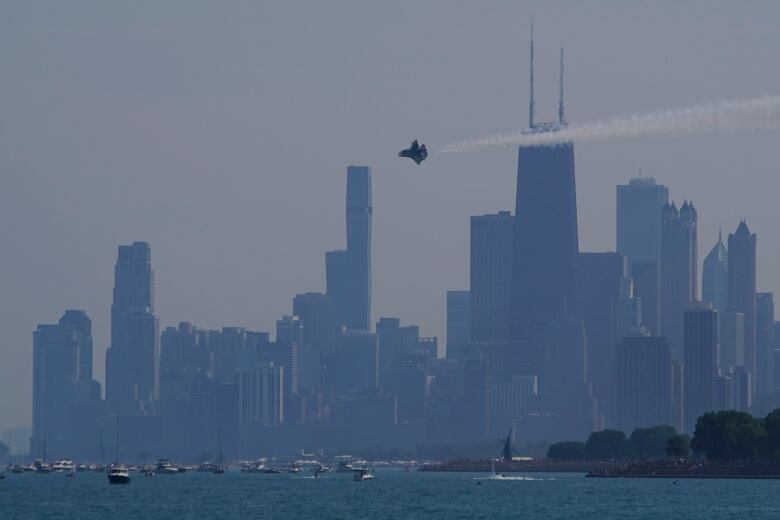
(318, 469)
(362, 474)
(219, 469)
(251, 467)
(166, 467)
(345, 467)
(118, 474)
(63, 465)
(294, 468)
(17, 468)
(38, 466)
(493, 474)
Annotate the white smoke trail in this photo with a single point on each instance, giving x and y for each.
(740, 114)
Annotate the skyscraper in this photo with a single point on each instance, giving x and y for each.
(601, 280)
(82, 327)
(742, 289)
(639, 207)
(765, 322)
(260, 395)
(458, 323)
(639, 236)
(490, 280)
(678, 270)
(545, 243)
(348, 272)
(394, 341)
(646, 281)
(643, 392)
(715, 277)
(132, 360)
(60, 381)
(700, 363)
(317, 313)
(732, 340)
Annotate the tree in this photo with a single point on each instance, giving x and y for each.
(567, 450)
(772, 428)
(650, 443)
(730, 436)
(608, 444)
(678, 446)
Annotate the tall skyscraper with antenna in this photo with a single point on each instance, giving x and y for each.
(545, 242)
(545, 250)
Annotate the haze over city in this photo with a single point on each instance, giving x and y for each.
(220, 135)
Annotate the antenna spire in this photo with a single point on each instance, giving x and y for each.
(531, 102)
(561, 109)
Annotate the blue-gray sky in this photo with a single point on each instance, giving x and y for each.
(220, 132)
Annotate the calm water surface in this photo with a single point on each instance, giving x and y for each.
(392, 494)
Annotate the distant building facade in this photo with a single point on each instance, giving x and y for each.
(458, 323)
(490, 281)
(765, 322)
(643, 391)
(700, 371)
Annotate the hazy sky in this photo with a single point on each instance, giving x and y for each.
(220, 133)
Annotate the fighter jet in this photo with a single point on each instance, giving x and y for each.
(416, 152)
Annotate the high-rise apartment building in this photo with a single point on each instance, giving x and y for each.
(700, 371)
(490, 280)
(643, 390)
(602, 279)
(61, 380)
(132, 359)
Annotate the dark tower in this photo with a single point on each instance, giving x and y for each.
(545, 245)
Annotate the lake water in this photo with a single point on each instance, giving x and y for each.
(392, 494)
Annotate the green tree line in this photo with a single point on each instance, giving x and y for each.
(725, 436)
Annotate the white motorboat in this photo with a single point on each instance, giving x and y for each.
(362, 474)
(63, 466)
(118, 475)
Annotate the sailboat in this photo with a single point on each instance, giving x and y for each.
(101, 468)
(40, 465)
(118, 474)
(220, 467)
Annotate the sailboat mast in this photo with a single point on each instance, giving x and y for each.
(102, 449)
(116, 458)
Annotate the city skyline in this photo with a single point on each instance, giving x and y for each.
(197, 290)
